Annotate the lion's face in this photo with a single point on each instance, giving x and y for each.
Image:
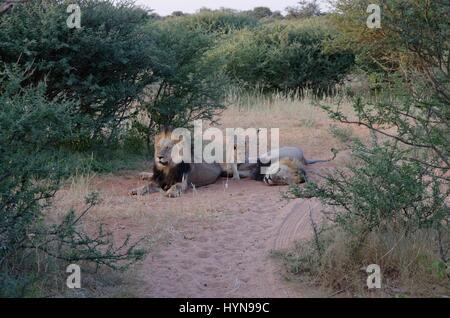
(288, 172)
(163, 149)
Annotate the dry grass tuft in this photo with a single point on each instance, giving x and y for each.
(408, 264)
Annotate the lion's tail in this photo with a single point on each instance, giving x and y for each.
(311, 162)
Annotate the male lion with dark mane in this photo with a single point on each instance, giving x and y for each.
(174, 178)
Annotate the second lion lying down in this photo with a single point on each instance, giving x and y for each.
(175, 178)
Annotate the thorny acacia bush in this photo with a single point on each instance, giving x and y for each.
(395, 192)
(32, 168)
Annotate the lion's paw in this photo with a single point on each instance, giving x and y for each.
(138, 191)
(146, 176)
(174, 191)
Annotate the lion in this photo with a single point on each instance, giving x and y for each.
(290, 167)
(174, 178)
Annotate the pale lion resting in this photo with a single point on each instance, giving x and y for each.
(290, 168)
(175, 178)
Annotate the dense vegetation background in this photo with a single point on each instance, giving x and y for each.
(91, 98)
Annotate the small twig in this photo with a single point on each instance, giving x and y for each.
(393, 247)
(336, 293)
(316, 232)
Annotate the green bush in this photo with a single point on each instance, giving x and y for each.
(104, 65)
(382, 190)
(32, 168)
(286, 57)
(383, 209)
(220, 22)
(190, 86)
(390, 206)
(305, 9)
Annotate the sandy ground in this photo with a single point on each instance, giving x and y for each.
(229, 257)
(216, 241)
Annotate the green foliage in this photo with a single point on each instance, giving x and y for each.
(304, 10)
(67, 242)
(381, 189)
(220, 21)
(412, 51)
(383, 208)
(190, 86)
(33, 129)
(283, 57)
(177, 14)
(399, 187)
(337, 260)
(104, 65)
(410, 31)
(404, 182)
(441, 269)
(260, 12)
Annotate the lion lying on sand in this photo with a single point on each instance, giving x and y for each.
(290, 167)
(175, 178)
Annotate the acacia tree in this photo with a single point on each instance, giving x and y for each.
(305, 9)
(260, 12)
(412, 50)
(399, 182)
(189, 86)
(104, 65)
(31, 171)
(289, 58)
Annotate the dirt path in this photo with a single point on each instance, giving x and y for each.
(215, 241)
(230, 256)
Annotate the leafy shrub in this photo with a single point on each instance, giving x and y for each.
(394, 196)
(190, 86)
(104, 65)
(260, 12)
(382, 209)
(381, 190)
(220, 21)
(283, 57)
(305, 9)
(32, 167)
(410, 265)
